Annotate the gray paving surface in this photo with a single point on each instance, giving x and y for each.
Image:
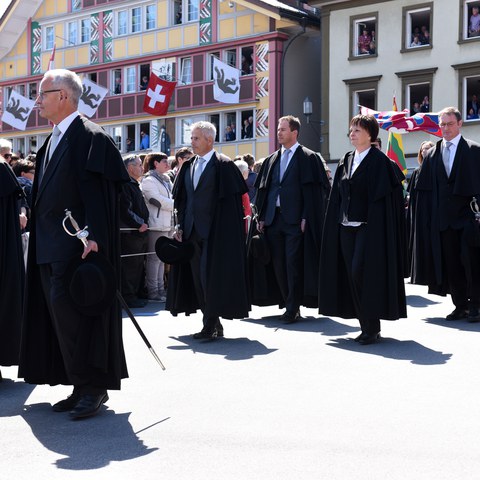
(268, 402)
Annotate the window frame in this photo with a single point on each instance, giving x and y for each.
(83, 29)
(137, 24)
(406, 23)
(49, 42)
(184, 60)
(130, 76)
(72, 41)
(355, 20)
(466, 71)
(416, 77)
(154, 7)
(365, 84)
(465, 20)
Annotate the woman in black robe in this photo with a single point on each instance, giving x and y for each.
(362, 255)
(12, 267)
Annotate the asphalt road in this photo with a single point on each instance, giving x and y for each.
(268, 402)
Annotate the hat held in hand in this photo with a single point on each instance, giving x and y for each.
(91, 284)
(172, 251)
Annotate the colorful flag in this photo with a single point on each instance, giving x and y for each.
(395, 145)
(226, 85)
(91, 98)
(158, 95)
(18, 110)
(51, 62)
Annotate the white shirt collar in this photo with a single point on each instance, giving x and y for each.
(292, 149)
(67, 121)
(453, 140)
(208, 156)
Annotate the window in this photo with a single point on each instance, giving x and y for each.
(193, 10)
(363, 92)
(117, 136)
(144, 136)
(247, 60)
(248, 127)
(186, 71)
(230, 128)
(116, 82)
(150, 17)
(32, 91)
(186, 128)
(136, 22)
(471, 20)
(131, 80)
(211, 57)
(417, 89)
(20, 89)
(215, 120)
(122, 18)
(469, 76)
(231, 57)
(417, 26)
(85, 30)
(165, 68)
(72, 33)
(189, 6)
(49, 38)
(144, 76)
(363, 37)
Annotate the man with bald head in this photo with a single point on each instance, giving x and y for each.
(79, 168)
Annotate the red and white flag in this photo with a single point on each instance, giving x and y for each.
(51, 62)
(158, 95)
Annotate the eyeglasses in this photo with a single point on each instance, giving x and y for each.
(7, 155)
(449, 124)
(42, 94)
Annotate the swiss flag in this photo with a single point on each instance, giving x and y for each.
(158, 95)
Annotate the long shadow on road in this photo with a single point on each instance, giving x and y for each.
(410, 350)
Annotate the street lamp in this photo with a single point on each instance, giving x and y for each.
(308, 111)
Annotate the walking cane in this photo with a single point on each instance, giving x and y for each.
(82, 235)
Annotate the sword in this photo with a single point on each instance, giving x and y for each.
(475, 209)
(82, 235)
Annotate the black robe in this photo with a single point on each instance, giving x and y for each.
(426, 263)
(12, 268)
(227, 291)
(315, 188)
(100, 172)
(383, 294)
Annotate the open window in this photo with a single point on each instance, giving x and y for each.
(363, 92)
(417, 89)
(417, 26)
(363, 36)
(470, 20)
(469, 92)
(116, 81)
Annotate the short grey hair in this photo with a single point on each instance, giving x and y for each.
(5, 145)
(242, 166)
(129, 159)
(67, 80)
(208, 129)
(450, 111)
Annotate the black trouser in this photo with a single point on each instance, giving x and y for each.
(67, 323)
(198, 264)
(285, 242)
(352, 243)
(458, 259)
(133, 268)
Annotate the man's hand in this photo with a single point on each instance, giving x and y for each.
(261, 226)
(178, 235)
(143, 228)
(23, 220)
(91, 247)
(302, 225)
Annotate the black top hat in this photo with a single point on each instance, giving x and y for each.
(91, 284)
(172, 251)
(259, 247)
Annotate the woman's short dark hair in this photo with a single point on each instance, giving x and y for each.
(368, 123)
(24, 166)
(151, 158)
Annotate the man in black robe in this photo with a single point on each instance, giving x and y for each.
(291, 199)
(12, 268)
(80, 169)
(208, 200)
(445, 252)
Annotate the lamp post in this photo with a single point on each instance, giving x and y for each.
(308, 111)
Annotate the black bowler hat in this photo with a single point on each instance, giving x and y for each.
(91, 284)
(259, 248)
(172, 251)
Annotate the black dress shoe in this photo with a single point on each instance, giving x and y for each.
(137, 303)
(367, 339)
(205, 335)
(67, 404)
(290, 317)
(88, 406)
(219, 332)
(357, 339)
(458, 314)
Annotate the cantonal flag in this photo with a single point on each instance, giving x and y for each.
(395, 146)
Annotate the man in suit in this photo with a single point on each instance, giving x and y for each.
(208, 198)
(445, 251)
(292, 189)
(80, 169)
